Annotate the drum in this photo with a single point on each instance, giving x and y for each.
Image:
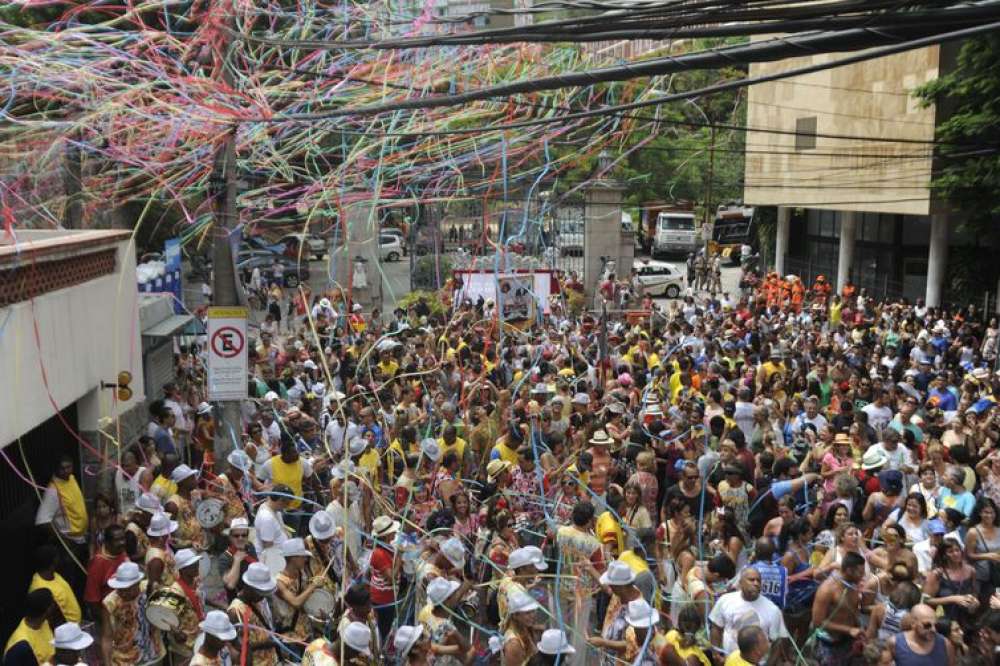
(274, 560)
(210, 512)
(163, 610)
(320, 604)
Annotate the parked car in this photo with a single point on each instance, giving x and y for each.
(658, 278)
(295, 272)
(390, 247)
(317, 246)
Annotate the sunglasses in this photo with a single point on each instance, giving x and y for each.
(693, 477)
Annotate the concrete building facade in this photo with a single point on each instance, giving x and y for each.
(846, 156)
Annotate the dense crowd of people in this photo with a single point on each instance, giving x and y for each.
(733, 480)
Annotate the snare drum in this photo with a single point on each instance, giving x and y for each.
(210, 512)
(163, 610)
(320, 604)
(274, 560)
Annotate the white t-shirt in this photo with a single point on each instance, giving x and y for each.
(268, 526)
(128, 490)
(878, 417)
(897, 458)
(337, 434)
(732, 612)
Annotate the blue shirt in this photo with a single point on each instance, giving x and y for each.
(773, 581)
(963, 501)
(946, 400)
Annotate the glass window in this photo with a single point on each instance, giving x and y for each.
(887, 228)
(805, 133)
(869, 228)
(916, 230)
(812, 223)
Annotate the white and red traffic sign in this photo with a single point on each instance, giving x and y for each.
(227, 354)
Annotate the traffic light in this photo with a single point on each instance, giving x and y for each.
(121, 386)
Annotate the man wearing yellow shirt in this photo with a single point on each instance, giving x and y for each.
(387, 364)
(33, 633)
(608, 529)
(753, 646)
(46, 559)
(450, 441)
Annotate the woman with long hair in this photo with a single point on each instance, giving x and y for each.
(982, 545)
(675, 541)
(951, 584)
(911, 517)
(795, 543)
(466, 521)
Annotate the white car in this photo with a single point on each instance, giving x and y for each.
(390, 249)
(316, 245)
(659, 278)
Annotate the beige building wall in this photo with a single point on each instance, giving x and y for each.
(870, 99)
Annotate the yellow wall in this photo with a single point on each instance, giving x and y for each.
(865, 99)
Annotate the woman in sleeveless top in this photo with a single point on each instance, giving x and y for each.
(951, 585)
(982, 545)
(795, 543)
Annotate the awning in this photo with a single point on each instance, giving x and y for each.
(172, 325)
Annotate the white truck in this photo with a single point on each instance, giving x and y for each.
(675, 233)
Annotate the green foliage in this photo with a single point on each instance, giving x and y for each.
(425, 275)
(969, 174)
(430, 297)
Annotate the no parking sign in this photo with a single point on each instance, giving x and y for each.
(227, 354)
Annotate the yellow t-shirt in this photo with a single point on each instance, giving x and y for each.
(61, 592)
(289, 474)
(163, 488)
(388, 369)
(39, 639)
(506, 453)
(370, 463)
(635, 562)
(674, 638)
(736, 659)
(458, 447)
(608, 530)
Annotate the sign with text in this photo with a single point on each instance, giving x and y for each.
(227, 354)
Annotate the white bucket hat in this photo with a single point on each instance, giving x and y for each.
(554, 642)
(126, 575)
(439, 589)
(294, 548)
(357, 636)
(239, 523)
(618, 573)
(522, 557)
(406, 637)
(601, 438)
(148, 502)
(454, 551)
(259, 577)
(161, 525)
(186, 557)
(217, 623)
(204, 408)
(182, 472)
(240, 460)
(70, 636)
(640, 614)
(384, 526)
(357, 446)
(431, 449)
(521, 602)
(321, 525)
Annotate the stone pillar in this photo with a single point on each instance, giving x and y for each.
(845, 258)
(362, 241)
(602, 231)
(781, 238)
(937, 260)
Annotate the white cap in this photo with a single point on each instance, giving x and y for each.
(384, 526)
(259, 577)
(70, 636)
(554, 642)
(640, 614)
(321, 525)
(406, 637)
(182, 472)
(357, 446)
(522, 557)
(356, 307)
(204, 408)
(217, 623)
(270, 396)
(186, 557)
(240, 460)
(126, 575)
(342, 470)
(430, 448)
(294, 548)
(310, 364)
(521, 602)
(439, 589)
(161, 525)
(357, 636)
(618, 573)
(581, 399)
(454, 551)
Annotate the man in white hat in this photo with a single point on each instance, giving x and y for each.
(69, 642)
(217, 633)
(236, 485)
(413, 644)
(251, 613)
(443, 597)
(353, 646)
(295, 586)
(190, 533)
(127, 638)
(192, 607)
(447, 563)
(238, 555)
(326, 545)
(621, 579)
(161, 569)
(523, 566)
(136, 541)
(554, 643)
(385, 567)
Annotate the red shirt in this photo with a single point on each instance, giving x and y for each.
(102, 567)
(380, 586)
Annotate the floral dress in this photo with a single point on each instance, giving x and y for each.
(134, 641)
(291, 622)
(258, 620)
(189, 532)
(169, 574)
